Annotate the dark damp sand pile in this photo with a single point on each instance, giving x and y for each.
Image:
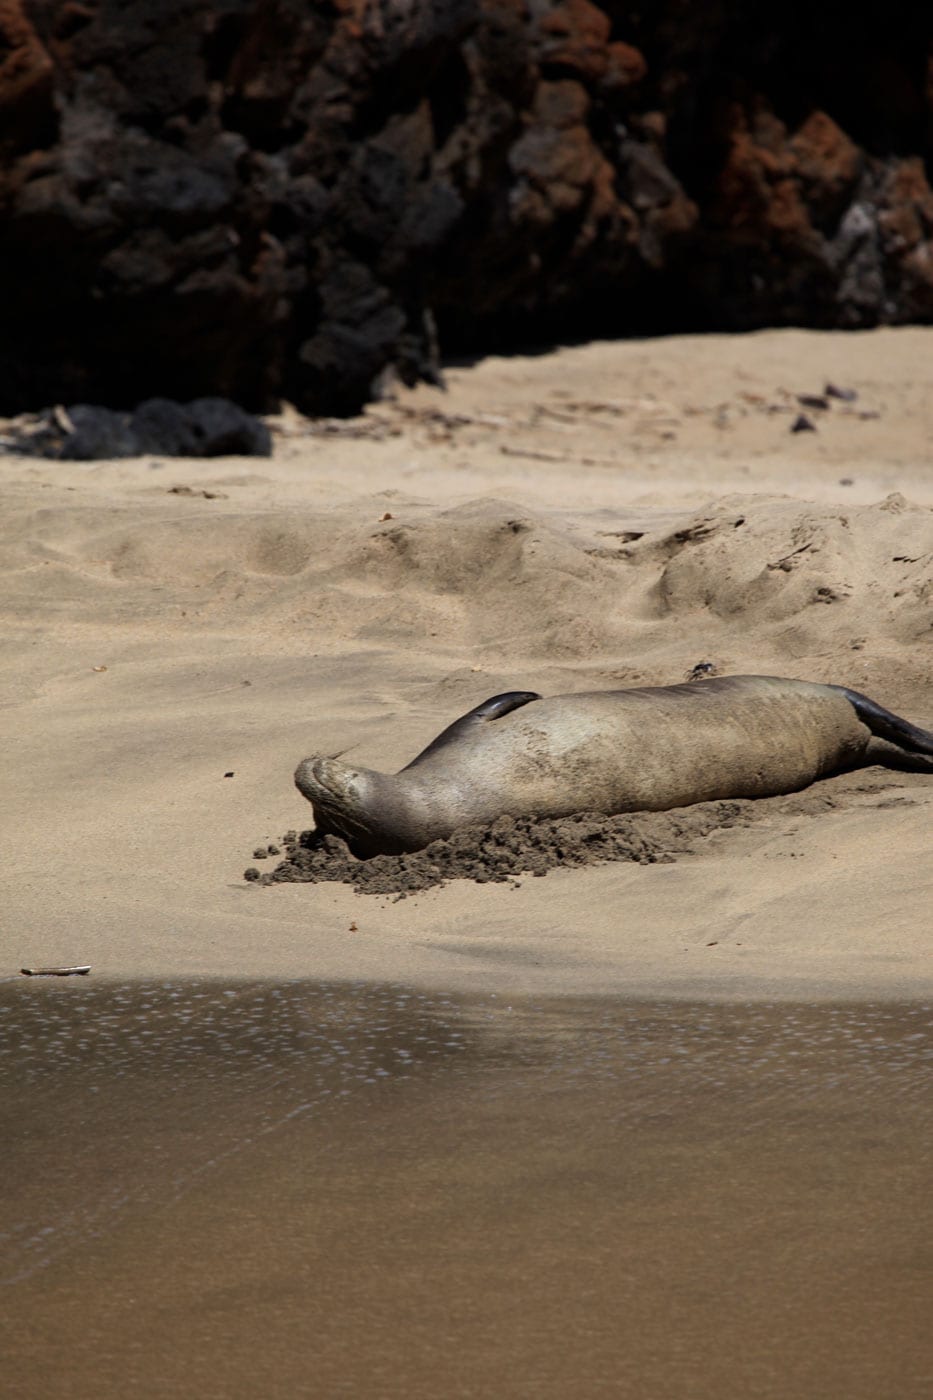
(513, 846)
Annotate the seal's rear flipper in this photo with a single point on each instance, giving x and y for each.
(906, 737)
(492, 709)
(888, 755)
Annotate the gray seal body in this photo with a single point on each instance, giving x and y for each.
(650, 749)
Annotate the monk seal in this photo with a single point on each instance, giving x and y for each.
(651, 749)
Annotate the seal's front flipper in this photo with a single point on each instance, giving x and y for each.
(498, 705)
(492, 709)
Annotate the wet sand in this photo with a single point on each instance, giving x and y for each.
(282, 1189)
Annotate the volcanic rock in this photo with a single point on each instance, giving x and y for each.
(262, 200)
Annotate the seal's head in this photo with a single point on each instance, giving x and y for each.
(337, 793)
(359, 805)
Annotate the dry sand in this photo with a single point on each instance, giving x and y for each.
(598, 516)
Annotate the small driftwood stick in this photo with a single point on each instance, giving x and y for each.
(55, 971)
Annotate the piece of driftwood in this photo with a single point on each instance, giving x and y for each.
(56, 971)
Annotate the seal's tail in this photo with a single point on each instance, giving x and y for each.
(882, 723)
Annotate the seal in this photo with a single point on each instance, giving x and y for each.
(519, 754)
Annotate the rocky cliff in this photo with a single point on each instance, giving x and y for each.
(265, 198)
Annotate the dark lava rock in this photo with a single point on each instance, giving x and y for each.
(254, 200)
(88, 432)
(98, 433)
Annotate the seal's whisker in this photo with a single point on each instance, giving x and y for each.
(338, 819)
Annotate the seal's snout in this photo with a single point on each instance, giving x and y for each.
(319, 779)
(305, 780)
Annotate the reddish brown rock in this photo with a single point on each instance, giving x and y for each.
(574, 36)
(827, 165)
(26, 76)
(625, 66)
(905, 225)
(260, 199)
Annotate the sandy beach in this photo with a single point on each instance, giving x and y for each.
(178, 634)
